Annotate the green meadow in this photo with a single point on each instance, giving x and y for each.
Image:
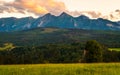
(114, 49)
(62, 69)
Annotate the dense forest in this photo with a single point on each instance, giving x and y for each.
(43, 36)
(55, 53)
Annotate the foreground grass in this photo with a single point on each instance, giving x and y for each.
(115, 49)
(61, 69)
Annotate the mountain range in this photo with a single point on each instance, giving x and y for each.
(64, 20)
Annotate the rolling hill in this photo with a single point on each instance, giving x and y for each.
(40, 36)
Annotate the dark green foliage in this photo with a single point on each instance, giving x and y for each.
(51, 53)
(58, 53)
(42, 36)
(111, 56)
(93, 52)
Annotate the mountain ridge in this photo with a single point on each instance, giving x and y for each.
(64, 20)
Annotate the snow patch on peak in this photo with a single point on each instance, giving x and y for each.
(14, 26)
(40, 24)
(75, 24)
(28, 25)
(3, 25)
(110, 25)
(118, 27)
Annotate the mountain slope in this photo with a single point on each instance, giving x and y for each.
(62, 21)
(41, 36)
(15, 24)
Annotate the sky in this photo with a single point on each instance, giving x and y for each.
(94, 5)
(108, 9)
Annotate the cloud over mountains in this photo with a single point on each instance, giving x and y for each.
(114, 16)
(37, 7)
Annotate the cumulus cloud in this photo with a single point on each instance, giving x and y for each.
(94, 14)
(114, 16)
(38, 7)
(91, 14)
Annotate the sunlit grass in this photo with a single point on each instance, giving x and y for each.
(49, 30)
(114, 49)
(62, 69)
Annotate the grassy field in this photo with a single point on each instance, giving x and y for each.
(62, 69)
(115, 49)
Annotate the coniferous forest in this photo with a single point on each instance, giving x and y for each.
(92, 51)
(53, 45)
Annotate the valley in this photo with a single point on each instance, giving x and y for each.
(40, 36)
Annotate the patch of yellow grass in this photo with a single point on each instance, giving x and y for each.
(62, 69)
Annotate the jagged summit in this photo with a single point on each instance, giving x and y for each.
(64, 20)
(48, 14)
(64, 14)
(83, 17)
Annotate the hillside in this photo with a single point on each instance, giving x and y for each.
(42, 36)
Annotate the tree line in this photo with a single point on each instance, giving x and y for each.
(92, 51)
